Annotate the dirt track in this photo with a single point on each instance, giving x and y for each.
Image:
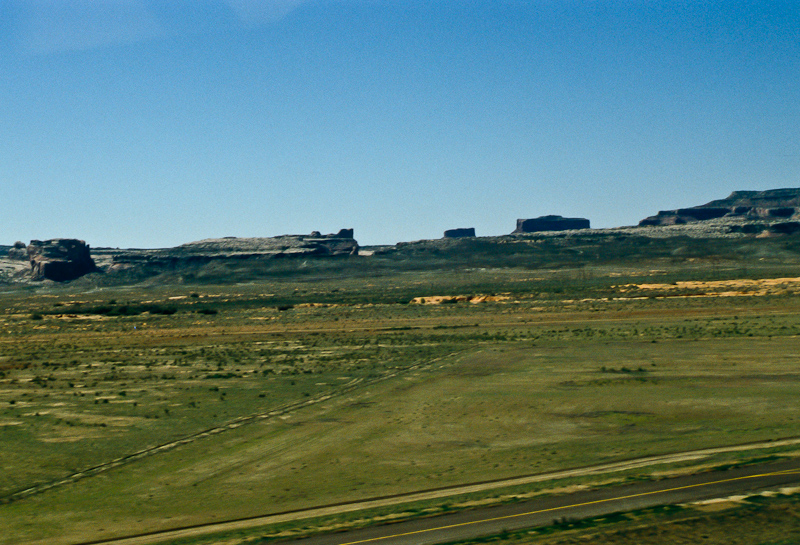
(241, 421)
(477, 487)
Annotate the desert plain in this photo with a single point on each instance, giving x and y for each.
(182, 402)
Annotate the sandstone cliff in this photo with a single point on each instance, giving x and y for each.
(59, 259)
(774, 204)
(460, 233)
(312, 245)
(549, 223)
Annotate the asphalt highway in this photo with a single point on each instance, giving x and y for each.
(536, 512)
(544, 511)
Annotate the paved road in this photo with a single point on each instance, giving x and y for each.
(488, 521)
(523, 515)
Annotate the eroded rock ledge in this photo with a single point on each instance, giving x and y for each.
(549, 223)
(774, 204)
(460, 233)
(311, 245)
(59, 259)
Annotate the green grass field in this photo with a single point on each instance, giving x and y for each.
(288, 393)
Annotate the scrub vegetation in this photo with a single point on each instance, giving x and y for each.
(127, 410)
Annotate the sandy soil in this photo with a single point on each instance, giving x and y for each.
(722, 288)
(475, 299)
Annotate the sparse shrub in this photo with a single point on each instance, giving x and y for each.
(158, 309)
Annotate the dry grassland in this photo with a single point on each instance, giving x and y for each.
(218, 403)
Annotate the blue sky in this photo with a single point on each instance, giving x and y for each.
(150, 123)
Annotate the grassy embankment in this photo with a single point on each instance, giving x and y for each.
(756, 520)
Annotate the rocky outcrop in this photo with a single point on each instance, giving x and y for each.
(549, 223)
(684, 215)
(59, 259)
(756, 205)
(784, 228)
(772, 198)
(312, 245)
(19, 251)
(343, 233)
(460, 233)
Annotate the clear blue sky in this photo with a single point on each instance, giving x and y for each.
(150, 123)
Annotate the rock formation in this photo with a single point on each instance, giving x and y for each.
(59, 259)
(549, 223)
(343, 233)
(312, 245)
(460, 233)
(19, 251)
(769, 205)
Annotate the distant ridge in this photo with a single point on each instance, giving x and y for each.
(769, 198)
(770, 204)
(313, 245)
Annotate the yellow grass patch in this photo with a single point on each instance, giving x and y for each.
(439, 299)
(722, 288)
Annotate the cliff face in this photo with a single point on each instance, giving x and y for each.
(59, 259)
(772, 198)
(772, 204)
(460, 233)
(312, 245)
(549, 223)
(341, 243)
